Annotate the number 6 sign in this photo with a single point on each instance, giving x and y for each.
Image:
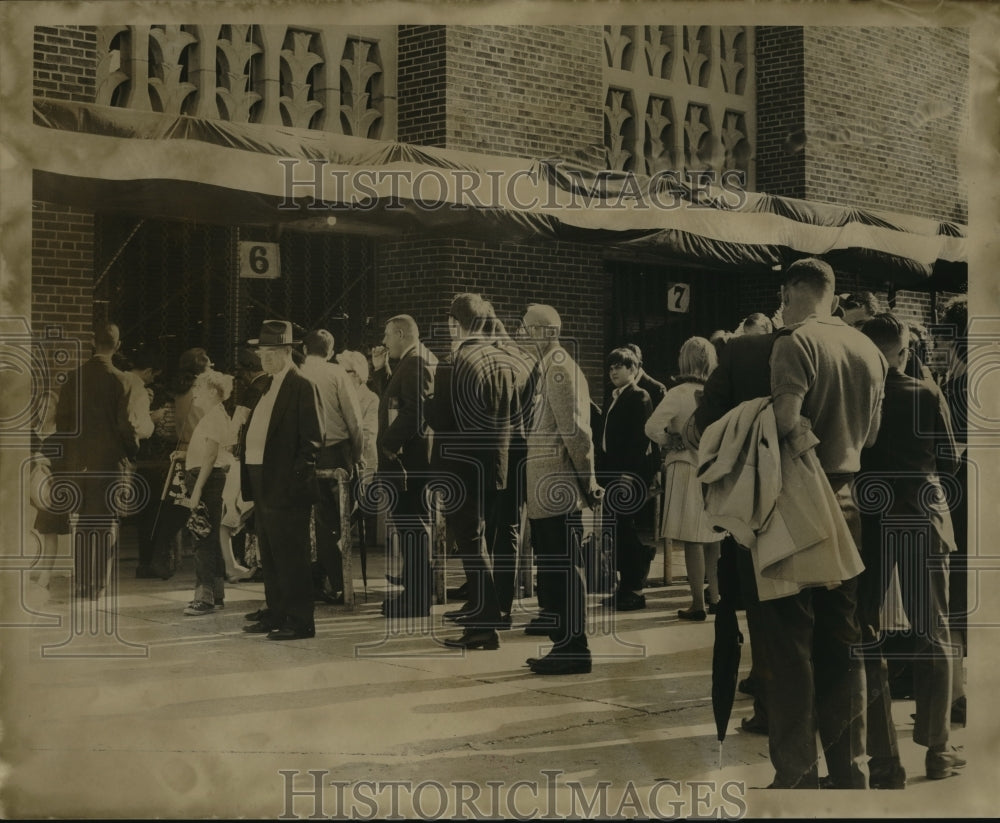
(260, 260)
(678, 297)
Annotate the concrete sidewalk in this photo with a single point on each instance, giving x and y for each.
(172, 716)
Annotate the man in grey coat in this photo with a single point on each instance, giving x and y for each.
(560, 482)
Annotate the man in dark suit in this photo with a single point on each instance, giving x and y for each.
(404, 457)
(622, 456)
(909, 529)
(471, 414)
(101, 441)
(283, 439)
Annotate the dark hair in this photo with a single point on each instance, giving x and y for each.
(319, 342)
(470, 311)
(624, 356)
(860, 300)
(886, 330)
(636, 350)
(139, 358)
(816, 274)
(191, 363)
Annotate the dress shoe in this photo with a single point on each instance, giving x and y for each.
(329, 598)
(394, 579)
(629, 601)
(747, 686)
(564, 663)
(940, 765)
(886, 773)
(258, 628)
(540, 626)
(464, 611)
(475, 639)
(459, 592)
(288, 633)
(257, 616)
(502, 623)
(691, 614)
(754, 725)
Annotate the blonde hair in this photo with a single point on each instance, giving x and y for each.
(355, 361)
(211, 379)
(697, 358)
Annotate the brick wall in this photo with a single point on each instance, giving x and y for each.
(65, 62)
(420, 277)
(884, 115)
(526, 91)
(534, 91)
(62, 238)
(422, 62)
(62, 274)
(780, 110)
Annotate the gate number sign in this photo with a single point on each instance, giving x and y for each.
(678, 297)
(260, 260)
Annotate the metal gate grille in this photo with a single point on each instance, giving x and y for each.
(174, 285)
(640, 311)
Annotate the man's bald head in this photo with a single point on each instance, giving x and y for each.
(542, 320)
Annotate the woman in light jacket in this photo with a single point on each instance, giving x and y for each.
(683, 508)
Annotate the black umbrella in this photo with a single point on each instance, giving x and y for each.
(725, 666)
(728, 639)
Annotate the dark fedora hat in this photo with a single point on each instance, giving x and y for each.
(274, 333)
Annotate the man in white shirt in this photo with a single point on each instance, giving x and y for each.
(343, 439)
(283, 438)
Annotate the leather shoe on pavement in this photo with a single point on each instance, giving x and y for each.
(257, 616)
(562, 664)
(475, 639)
(886, 773)
(754, 725)
(475, 622)
(940, 765)
(258, 628)
(629, 602)
(691, 614)
(465, 611)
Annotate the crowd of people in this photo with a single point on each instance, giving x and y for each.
(763, 449)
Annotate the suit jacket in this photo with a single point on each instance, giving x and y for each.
(560, 468)
(401, 428)
(294, 437)
(472, 413)
(622, 446)
(915, 443)
(743, 373)
(654, 388)
(92, 412)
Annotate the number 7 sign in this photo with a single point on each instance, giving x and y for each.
(678, 297)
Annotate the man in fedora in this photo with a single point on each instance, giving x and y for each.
(283, 439)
